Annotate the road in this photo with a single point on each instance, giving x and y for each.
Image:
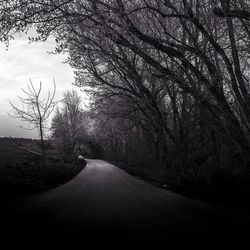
(104, 206)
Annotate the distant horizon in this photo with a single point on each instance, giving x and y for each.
(25, 138)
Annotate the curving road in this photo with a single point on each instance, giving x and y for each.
(104, 206)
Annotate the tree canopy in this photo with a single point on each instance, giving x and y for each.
(176, 70)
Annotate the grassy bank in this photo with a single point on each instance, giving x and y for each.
(23, 173)
(225, 190)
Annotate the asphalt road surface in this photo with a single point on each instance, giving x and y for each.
(105, 207)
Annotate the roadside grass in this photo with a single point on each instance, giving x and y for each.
(22, 173)
(223, 189)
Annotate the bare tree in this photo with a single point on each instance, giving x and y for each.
(35, 109)
(69, 125)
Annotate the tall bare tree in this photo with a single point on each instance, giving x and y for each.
(36, 110)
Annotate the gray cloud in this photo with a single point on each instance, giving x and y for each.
(11, 127)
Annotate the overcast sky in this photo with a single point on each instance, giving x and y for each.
(21, 62)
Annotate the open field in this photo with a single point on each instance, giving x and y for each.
(23, 173)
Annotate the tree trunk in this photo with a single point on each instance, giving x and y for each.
(42, 143)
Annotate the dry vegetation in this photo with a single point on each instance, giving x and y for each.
(23, 173)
